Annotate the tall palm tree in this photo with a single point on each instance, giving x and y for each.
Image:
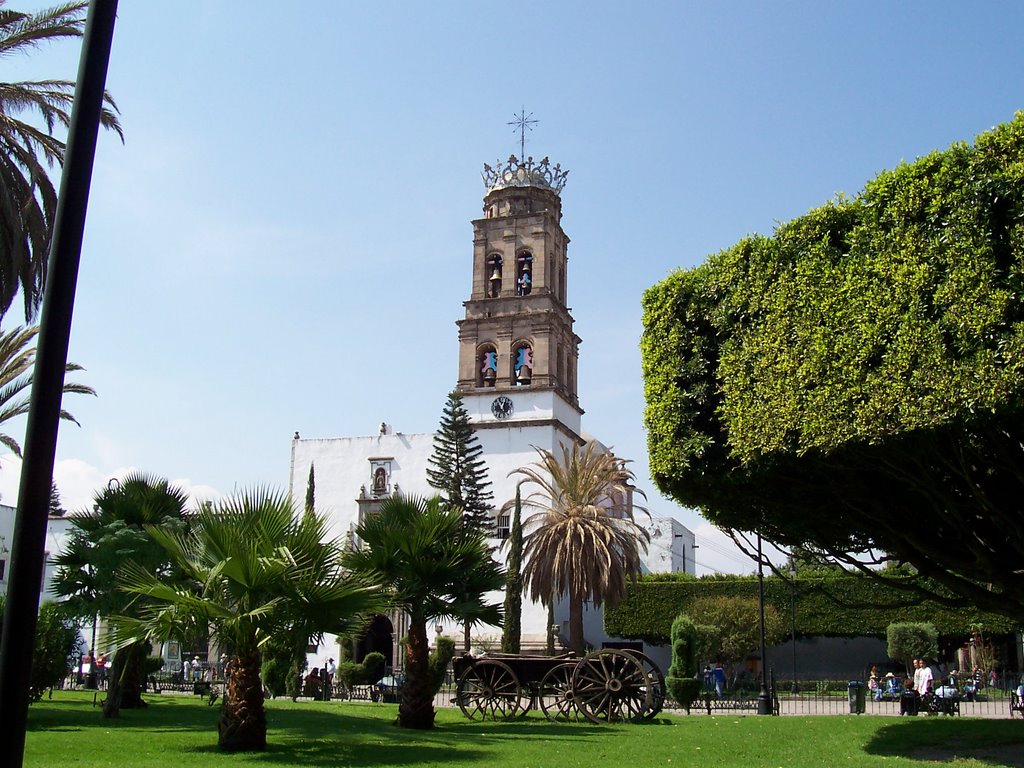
(258, 569)
(581, 542)
(17, 359)
(28, 201)
(433, 567)
(100, 541)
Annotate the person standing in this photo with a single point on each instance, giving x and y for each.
(101, 670)
(332, 670)
(926, 678)
(719, 675)
(87, 661)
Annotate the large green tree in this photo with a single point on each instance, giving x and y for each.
(737, 627)
(30, 147)
(456, 467)
(100, 542)
(855, 380)
(581, 541)
(17, 362)
(432, 567)
(257, 569)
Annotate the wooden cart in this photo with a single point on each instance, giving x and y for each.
(604, 686)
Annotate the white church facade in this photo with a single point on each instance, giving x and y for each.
(517, 376)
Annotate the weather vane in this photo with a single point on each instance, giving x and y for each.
(523, 122)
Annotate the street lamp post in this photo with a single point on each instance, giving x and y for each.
(792, 604)
(90, 677)
(764, 700)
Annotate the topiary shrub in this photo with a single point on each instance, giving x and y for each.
(438, 663)
(274, 672)
(681, 681)
(368, 672)
(908, 640)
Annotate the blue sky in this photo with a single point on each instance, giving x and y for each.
(283, 242)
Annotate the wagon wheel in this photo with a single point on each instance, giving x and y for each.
(657, 683)
(490, 689)
(611, 686)
(556, 696)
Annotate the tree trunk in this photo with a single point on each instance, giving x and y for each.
(243, 721)
(124, 680)
(576, 624)
(416, 708)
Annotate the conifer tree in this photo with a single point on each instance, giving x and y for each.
(310, 490)
(56, 508)
(457, 470)
(511, 632)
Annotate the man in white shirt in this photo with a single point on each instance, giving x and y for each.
(926, 677)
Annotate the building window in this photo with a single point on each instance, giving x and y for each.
(522, 361)
(524, 273)
(488, 370)
(502, 529)
(494, 276)
(3, 569)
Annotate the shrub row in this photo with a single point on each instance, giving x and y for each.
(826, 605)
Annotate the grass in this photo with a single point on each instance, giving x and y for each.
(68, 732)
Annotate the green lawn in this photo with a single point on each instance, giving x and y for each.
(177, 731)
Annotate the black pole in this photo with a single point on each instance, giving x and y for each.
(27, 552)
(792, 604)
(764, 700)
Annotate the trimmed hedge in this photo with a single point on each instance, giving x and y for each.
(823, 606)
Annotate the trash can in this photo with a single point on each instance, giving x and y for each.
(857, 696)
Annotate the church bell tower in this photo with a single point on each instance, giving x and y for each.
(517, 349)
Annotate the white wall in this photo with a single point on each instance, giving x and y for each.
(56, 535)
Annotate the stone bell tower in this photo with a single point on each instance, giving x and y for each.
(517, 349)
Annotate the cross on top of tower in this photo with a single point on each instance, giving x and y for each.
(522, 122)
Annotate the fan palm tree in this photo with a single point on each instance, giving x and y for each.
(17, 359)
(581, 541)
(433, 567)
(100, 541)
(28, 201)
(257, 569)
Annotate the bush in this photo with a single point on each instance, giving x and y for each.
(829, 604)
(684, 635)
(274, 672)
(370, 671)
(684, 690)
(56, 638)
(681, 681)
(438, 662)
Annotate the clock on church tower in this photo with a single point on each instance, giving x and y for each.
(517, 349)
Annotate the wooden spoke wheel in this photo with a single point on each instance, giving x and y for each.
(555, 694)
(611, 686)
(657, 683)
(489, 689)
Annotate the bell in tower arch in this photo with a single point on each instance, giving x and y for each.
(523, 365)
(494, 280)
